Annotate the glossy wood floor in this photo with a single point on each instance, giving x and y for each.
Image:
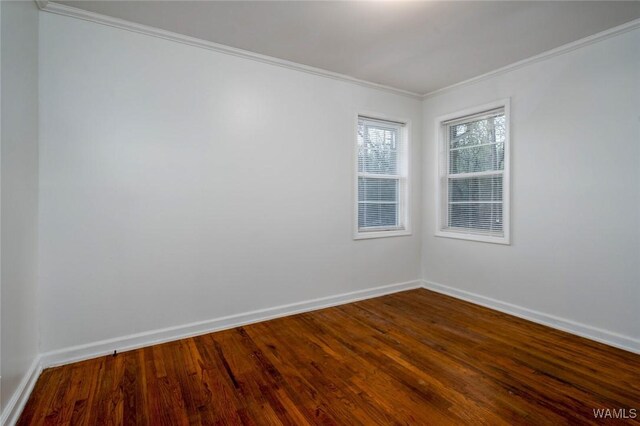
(415, 357)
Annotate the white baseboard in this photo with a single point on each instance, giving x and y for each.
(77, 353)
(135, 341)
(16, 404)
(589, 332)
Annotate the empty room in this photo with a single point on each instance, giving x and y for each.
(319, 212)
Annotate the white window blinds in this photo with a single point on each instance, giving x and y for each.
(381, 174)
(474, 182)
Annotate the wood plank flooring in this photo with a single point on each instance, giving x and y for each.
(415, 357)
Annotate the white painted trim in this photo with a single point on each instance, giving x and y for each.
(368, 235)
(73, 12)
(441, 170)
(77, 353)
(472, 237)
(561, 50)
(60, 9)
(610, 338)
(405, 127)
(41, 3)
(18, 400)
(154, 337)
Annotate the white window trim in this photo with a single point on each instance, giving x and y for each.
(441, 173)
(405, 209)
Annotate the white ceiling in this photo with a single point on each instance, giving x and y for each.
(415, 46)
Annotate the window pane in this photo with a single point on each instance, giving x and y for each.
(485, 188)
(380, 151)
(476, 132)
(377, 149)
(477, 159)
(372, 189)
(377, 214)
(483, 217)
(475, 179)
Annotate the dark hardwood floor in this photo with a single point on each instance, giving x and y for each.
(415, 357)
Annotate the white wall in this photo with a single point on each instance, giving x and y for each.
(575, 252)
(19, 180)
(178, 185)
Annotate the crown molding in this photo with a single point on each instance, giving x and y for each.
(64, 10)
(566, 48)
(42, 4)
(74, 12)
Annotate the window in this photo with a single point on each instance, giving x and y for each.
(473, 181)
(381, 187)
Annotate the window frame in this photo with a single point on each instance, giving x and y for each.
(442, 173)
(404, 202)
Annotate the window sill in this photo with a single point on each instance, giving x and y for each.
(473, 237)
(365, 235)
